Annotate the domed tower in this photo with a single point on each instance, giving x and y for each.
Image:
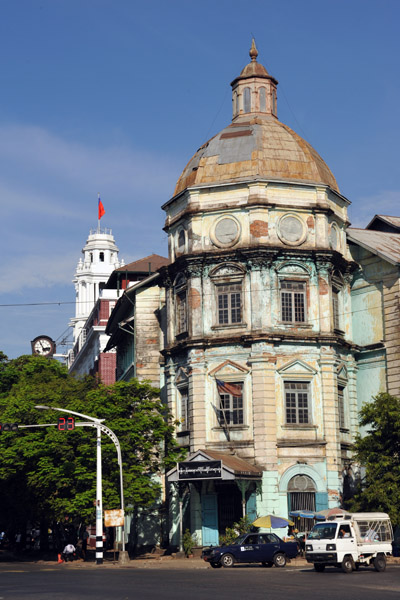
(100, 259)
(259, 360)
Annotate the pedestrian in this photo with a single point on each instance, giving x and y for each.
(85, 537)
(68, 553)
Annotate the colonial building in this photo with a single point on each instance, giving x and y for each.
(375, 306)
(137, 324)
(93, 306)
(260, 367)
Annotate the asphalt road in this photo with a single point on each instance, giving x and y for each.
(25, 581)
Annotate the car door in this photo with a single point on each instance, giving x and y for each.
(270, 546)
(249, 548)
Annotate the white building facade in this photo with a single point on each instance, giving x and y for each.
(93, 306)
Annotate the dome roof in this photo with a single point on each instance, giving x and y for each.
(252, 149)
(256, 145)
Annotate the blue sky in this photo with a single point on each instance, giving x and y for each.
(115, 96)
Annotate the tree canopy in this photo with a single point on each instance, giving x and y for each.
(45, 473)
(378, 453)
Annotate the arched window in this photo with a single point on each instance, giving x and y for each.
(101, 256)
(181, 240)
(262, 98)
(235, 104)
(247, 100)
(274, 102)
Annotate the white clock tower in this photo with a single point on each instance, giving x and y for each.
(100, 259)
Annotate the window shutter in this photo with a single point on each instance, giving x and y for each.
(321, 501)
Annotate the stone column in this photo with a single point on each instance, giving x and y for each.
(325, 296)
(265, 425)
(194, 301)
(330, 419)
(197, 400)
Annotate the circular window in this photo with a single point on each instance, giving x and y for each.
(226, 232)
(291, 230)
(334, 237)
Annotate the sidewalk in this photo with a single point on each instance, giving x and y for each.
(147, 562)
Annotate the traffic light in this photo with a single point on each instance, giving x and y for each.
(8, 427)
(65, 423)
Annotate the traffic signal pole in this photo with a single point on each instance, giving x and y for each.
(98, 423)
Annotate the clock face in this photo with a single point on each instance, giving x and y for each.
(43, 346)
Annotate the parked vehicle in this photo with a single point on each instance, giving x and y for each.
(353, 540)
(265, 548)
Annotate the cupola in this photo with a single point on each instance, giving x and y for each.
(254, 91)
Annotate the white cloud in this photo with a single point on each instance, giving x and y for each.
(35, 271)
(364, 208)
(31, 156)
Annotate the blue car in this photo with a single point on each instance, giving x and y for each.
(265, 548)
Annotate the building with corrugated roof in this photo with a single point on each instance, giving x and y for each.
(375, 305)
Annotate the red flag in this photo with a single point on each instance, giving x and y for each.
(101, 209)
(225, 387)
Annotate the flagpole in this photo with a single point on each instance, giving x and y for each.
(98, 220)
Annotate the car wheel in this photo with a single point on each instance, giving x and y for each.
(227, 560)
(279, 560)
(216, 565)
(319, 568)
(267, 564)
(380, 562)
(347, 564)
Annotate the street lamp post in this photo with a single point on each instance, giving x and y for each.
(98, 424)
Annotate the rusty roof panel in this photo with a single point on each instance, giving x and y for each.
(385, 245)
(269, 150)
(238, 465)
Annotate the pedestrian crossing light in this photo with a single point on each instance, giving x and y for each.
(8, 427)
(65, 423)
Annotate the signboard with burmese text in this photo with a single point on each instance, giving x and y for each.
(204, 469)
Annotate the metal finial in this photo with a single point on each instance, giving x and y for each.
(253, 50)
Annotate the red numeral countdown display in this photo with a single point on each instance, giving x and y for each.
(66, 423)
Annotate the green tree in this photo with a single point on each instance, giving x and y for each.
(378, 452)
(47, 474)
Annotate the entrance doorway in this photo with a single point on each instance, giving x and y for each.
(229, 505)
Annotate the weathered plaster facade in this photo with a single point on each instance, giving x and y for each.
(258, 296)
(376, 309)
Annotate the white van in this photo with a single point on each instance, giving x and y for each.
(350, 541)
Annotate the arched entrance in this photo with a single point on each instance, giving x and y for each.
(301, 492)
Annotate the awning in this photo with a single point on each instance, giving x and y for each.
(210, 464)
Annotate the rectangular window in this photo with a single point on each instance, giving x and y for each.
(183, 409)
(229, 304)
(230, 410)
(297, 402)
(293, 301)
(181, 320)
(342, 422)
(335, 309)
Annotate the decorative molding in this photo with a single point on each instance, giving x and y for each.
(297, 367)
(240, 368)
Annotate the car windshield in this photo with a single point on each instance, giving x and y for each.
(323, 531)
(240, 539)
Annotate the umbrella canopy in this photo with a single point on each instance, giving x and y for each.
(333, 512)
(307, 514)
(272, 521)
